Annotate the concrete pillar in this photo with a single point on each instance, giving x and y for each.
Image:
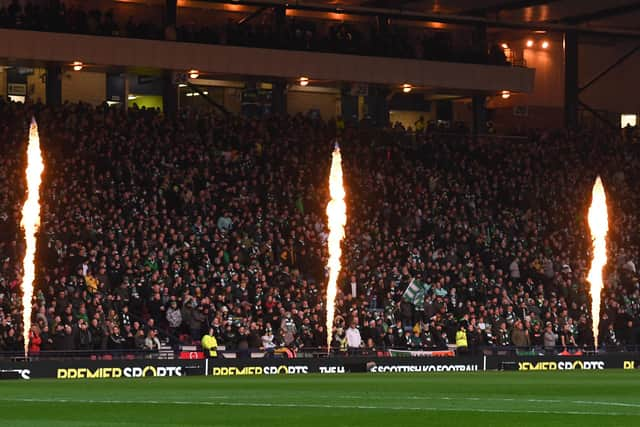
(54, 85)
(480, 43)
(169, 93)
(571, 79)
(377, 105)
(170, 12)
(279, 97)
(479, 119)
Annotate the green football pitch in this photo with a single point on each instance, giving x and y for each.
(577, 398)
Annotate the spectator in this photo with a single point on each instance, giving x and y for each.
(152, 343)
(520, 335)
(550, 338)
(354, 341)
(210, 344)
(139, 340)
(115, 341)
(174, 317)
(83, 338)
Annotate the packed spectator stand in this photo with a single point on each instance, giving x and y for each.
(159, 228)
(267, 32)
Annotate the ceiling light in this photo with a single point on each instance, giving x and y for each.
(506, 94)
(194, 74)
(505, 46)
(77, 65)
(304, 81)
(545, 44)
(529, 43)
(406, 88)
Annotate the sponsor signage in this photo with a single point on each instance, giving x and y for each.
(191, 355)
(15, 374)
(450, 367)
(19, 89)
(591, 362)
(118, 372)
(563, 365)
(232, 371)
(258, 367)
(421, 353)
(75, 369)
(88, 369)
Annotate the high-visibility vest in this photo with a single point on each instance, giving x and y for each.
(210, 345)
(461, 338)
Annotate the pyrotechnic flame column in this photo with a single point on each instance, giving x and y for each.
(337, 219)
(30, 223)
(599, 226)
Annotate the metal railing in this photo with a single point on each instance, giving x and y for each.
(127, 354)
(316, 352)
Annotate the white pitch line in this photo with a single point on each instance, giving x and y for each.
(313, 405)
(457, 398)
(497, 399)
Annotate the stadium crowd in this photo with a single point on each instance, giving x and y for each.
(157, 227)
(269, 31)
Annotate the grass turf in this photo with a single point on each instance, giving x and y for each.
(577, 398)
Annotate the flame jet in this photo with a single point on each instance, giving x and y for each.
(30, 223)
(599, 226)
(337, 217)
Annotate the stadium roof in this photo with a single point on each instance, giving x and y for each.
(622, 14)
(610, 17)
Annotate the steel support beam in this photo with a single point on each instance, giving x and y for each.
(606, 71)
(207, 98)
(609, 12)
(598, 116)
(507, 5)
(571, 79)
(252, 15)
(437, 17)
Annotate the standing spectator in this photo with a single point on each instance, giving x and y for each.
(550, 339)
(83, 338)
(462, 345)
(174, 317)
(115, 341)
(354, 341)
(209, 344)
(35, 340)
(520, 335)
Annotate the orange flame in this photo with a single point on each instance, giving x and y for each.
(30, 223)
(337, 216)
(599, 225)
